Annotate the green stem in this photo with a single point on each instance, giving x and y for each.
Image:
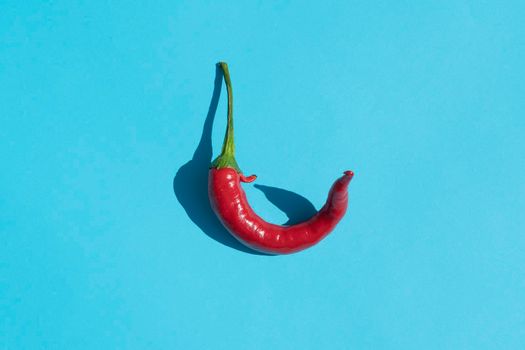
(227, 157)
(228, 145)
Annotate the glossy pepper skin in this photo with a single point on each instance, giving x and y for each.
(229, 203)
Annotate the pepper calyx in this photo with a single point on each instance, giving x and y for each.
(225, 161)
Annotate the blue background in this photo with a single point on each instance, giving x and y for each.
(102, 103)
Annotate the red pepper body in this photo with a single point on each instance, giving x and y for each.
(229, 202)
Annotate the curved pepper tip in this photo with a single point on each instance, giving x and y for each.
(349, 173)
(247, 179)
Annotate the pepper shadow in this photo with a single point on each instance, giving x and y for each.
(190, 184)
(296, 207)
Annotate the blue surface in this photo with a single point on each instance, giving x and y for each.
(103, 103)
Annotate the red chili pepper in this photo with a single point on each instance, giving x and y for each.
(229, 202)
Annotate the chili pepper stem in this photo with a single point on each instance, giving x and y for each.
(227, 157)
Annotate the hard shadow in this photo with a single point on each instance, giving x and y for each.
(191, 181)
(296, 207)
